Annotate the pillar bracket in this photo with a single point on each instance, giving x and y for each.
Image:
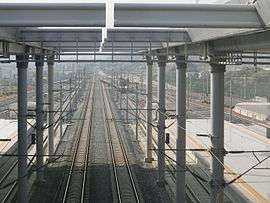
(50, 60)
(180, 62)
(149, 60)
(217, 68)
(22, 60)
(39, 60)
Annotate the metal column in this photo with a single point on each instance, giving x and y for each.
(51, 105)
(22, 128)
(231, 110)
(61, 109)
(149, 95)
(161, 119)
(127, 89)
(39, 117)
(121, 89)
(137, 110)
(217, 117)
(117, 87)
(70, 98)
(268, 132)
(181, 128)
(245, 87)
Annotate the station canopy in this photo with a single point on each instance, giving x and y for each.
(83, 28)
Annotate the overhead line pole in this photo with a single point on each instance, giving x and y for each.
(127, 89)
(70, 93)
(22, 127)
(61, 109)
(217, 119)
(231, 100)
(121, 89)
(149, 117)
(161, 119)
(181, 129)
(137, 113)
(51, 104)
(39, 118)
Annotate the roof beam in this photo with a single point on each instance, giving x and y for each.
(253, 42)
(186, 15)
(147, 35)
(54, 14)
(256, 41)
(9, 43)
(61, 35)
(13, 48)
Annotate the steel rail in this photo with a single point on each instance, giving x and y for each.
(31, 129)
(173, 168)
(77, 144)
(13, 186)
(60, 185)
(29, 165)
(113, 159)
(108, 110)
(10, 170)
(86, 162)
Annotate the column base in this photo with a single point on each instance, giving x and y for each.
(148, 160)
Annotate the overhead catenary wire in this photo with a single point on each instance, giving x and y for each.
(44, 165)
(207, 148)
(193, 174)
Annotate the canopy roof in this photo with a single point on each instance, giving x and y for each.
(193, 29)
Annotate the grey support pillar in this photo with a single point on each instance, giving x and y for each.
(181, 128)
(51, 104)
(61, 109)
(39, 117)
(117, 87)
(127, 89)
(231, 110)
(121, 89)
(161, 119)
(22, 65)
(217, 117)
(149, 119)
(70, 97)
(268, 133)
(137, 110)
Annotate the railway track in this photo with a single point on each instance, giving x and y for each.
(9, 167)
(172, 168)
(205, 186)
(75, 185)
(124, 182)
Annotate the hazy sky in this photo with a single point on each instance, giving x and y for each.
(122, 1)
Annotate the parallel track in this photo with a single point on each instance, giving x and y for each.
(124, 182)
(172, 168)
(12, 186)
(75, 185)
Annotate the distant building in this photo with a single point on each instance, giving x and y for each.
(255, 110)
